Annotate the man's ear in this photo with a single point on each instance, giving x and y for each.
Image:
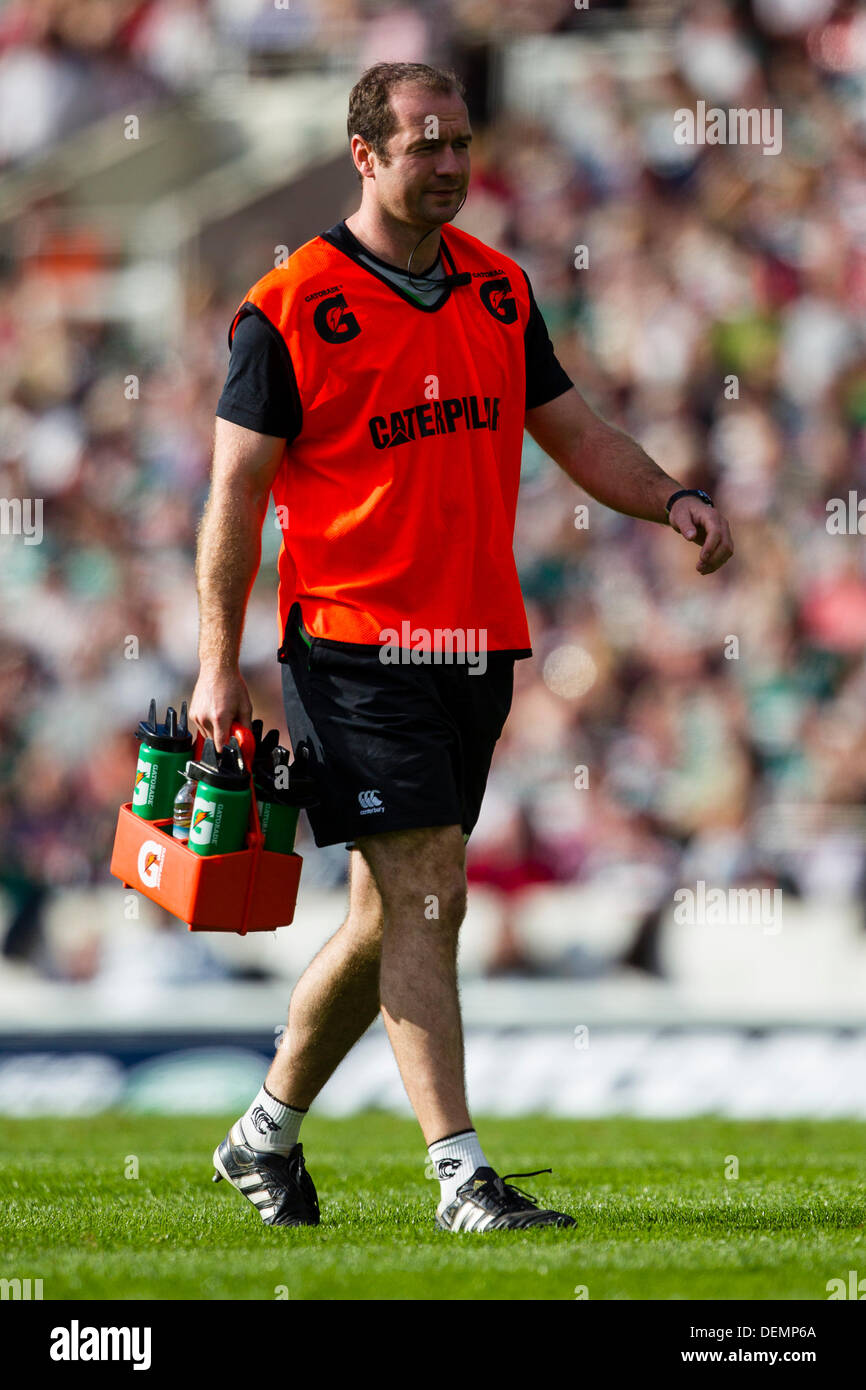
(362, 154)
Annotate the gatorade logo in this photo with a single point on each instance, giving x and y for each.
(498, 300)
(151, 857)
(334, 321)
(142, 784)
(201, 826)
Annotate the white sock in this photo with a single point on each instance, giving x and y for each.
(455, 1159)
(270, 1125)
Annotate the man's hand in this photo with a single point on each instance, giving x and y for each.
(705, 527)
(219, 700)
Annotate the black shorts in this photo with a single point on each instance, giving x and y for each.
(392, 747)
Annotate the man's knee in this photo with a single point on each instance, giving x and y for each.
(365, 919)
(419, 873)
(448, 904)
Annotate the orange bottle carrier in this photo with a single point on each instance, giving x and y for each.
(250, 890)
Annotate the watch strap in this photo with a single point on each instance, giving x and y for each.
(688, 492)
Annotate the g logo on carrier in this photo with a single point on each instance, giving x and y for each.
(498, 300)
(151, 858)
(334, 320)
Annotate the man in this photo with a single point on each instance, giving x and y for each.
(380, 384)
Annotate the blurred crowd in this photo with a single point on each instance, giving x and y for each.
(670, 726)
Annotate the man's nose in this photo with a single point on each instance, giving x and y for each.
(448, 163)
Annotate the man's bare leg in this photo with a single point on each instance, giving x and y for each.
(335, 1000)
(402, 929)
(421, 878)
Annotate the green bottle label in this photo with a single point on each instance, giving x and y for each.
(156, 782)
(141, 791)
(219, 820)
(279, 826)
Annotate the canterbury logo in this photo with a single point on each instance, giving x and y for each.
(263, 1122)
(498, 300)
(369, 801)
(447, 1167)
(334, 320)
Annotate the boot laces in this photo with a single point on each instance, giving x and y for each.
(517, 1198)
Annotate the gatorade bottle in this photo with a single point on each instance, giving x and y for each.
(278, 819)
(165, 749)
(221, 809)
(280, 789)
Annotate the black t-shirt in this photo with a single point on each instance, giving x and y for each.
(260, 393)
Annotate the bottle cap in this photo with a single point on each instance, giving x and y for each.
(173, 736)
(263, 760)
(191, 772)
(296, 787)
(225, 770)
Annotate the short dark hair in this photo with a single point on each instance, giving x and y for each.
(370, 112)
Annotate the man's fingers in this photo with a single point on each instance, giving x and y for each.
(243, 714)
(717, 548)
(686, 518)
(700, 524)
(712, 538)
(213, 726)
(219, 702)
(222, 725)
(219, 727)
(199, 723)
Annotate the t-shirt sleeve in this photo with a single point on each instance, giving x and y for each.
(545, 377)
(260, 390)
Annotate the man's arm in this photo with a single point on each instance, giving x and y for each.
(614, 470)
(227, 560)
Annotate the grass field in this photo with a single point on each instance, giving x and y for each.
(657, 1218)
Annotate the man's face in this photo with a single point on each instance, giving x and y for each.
(428, 173)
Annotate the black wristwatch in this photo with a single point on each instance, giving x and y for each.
(688, 492)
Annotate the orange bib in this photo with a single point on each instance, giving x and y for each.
(397, 499)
